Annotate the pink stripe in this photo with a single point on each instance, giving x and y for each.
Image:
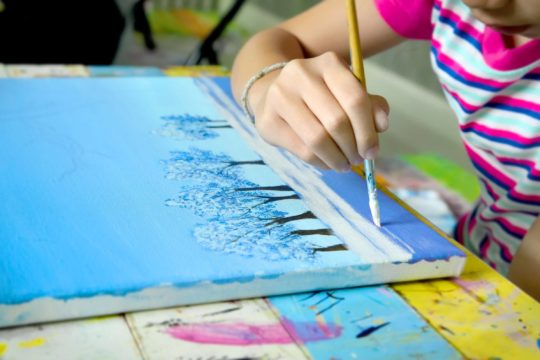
(495, 208)
(502, 100)
(503, 178)
(461, 24)
(506, 224)
(459, 99)
(507, 253)
(464, 73)
(487, 167)
(507, 100)
(459, 231)
(529, 164)
(490, 190)
(472, 225)
(528, 198)
(484, 247)
(503, 134)
(505, 249)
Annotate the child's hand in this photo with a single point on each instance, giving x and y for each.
(317, 109)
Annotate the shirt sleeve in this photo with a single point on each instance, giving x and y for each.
(408, 18)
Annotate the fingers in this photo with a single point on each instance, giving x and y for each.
(380, 112)
(318, 110)
(335, 122)
(316, 137)
(356, 103)
(282, 135)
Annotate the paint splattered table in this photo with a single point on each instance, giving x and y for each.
(479, 315)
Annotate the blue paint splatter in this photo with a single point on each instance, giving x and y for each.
(370, 330)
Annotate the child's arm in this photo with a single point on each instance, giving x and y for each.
(525, 267)
(315, 107)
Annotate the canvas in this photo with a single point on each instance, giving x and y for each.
(124, 194)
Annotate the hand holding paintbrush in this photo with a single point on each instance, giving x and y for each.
(358, 70)
(311, 104)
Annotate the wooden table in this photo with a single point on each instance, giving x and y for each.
(479, 315)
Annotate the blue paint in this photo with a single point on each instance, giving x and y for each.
(83, 197)
(397, 223)
(370, 330)
(375, 323)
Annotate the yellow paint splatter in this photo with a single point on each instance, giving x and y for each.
(479, 305)
(101, 318)
(3, 348)
(32, 343)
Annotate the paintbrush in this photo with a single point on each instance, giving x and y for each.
(358, 71)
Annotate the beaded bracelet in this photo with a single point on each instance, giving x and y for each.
(251, 81)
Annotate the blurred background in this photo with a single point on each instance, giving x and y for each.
(422, 156)
(179, 26)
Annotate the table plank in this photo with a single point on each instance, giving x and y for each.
(365, 323)
(98, 338)
(246, 329)
(46, 71)
(481, 313)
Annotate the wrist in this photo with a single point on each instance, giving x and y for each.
(255, 88)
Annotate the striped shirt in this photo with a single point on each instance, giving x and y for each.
(494, 91)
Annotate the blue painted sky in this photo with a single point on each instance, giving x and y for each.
(83, 189)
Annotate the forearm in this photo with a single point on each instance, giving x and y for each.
(265, 48)
(314, 32)
(525, 267)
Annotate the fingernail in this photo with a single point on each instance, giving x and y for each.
(371, 153)
(381, 120)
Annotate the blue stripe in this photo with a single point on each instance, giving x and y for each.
(489, 175)
(481, 244)
(532, 77)
(460, 78)
(502, 253)
(520, 110)
(507, 230)
(460, 33)
(465, 110)
(524, 167)
(501, 140)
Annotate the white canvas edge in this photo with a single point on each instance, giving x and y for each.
(48, 309)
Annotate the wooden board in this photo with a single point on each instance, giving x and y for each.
(246, 329)
(98, 338)
(481, 313)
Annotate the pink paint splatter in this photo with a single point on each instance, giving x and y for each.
(304, 332)
(472, 285)
(245, 334)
